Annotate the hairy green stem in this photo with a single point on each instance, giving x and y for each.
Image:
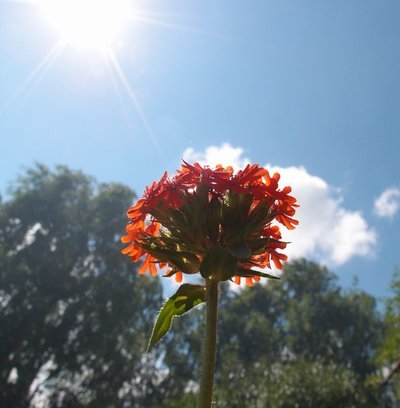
(210, 345)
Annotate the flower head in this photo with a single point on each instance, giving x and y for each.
(211, 221)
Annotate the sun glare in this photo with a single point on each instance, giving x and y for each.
(87, 23)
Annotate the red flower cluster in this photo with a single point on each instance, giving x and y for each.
(211, 221)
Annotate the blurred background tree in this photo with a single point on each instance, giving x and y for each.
(388, 353)
(76, 316)
(301, 341)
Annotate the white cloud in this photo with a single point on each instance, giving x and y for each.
(327, 232)
(388, 203)
(225, 155)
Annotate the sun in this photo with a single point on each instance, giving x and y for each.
(87, 23)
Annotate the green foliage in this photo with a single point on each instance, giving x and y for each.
(186, 298)
(74, 313)
(390, 350)
(301, 341)
(388, 354)
(298, 383)
(303, 315)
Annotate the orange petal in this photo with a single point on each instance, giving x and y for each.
(128, 249)
(277, 262)
(153, 269)
(136, 256)
(144, 266)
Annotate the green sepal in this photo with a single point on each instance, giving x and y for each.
(214, 218)
(235, 213)
(265, 275)
(183, 260)
(186, 297)
(218, 263)
(259, 216)
(240, 250)
(251, 272)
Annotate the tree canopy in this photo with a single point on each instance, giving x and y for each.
(387, 355)
(301, 340)
(74, 313)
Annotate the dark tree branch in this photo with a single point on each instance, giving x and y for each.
(392, 372)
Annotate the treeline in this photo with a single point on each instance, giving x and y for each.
(75, 318)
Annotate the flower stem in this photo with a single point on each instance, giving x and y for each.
(210, 342)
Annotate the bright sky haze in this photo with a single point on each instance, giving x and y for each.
(124, 92)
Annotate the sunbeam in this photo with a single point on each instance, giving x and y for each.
(36, 74)
(135, 102)
(116, 86)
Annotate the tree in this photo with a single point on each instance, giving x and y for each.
(301, 341)
(74, 313)
(304, 315)
(298, 383)
(388, 354)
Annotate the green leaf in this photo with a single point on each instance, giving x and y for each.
(186, 297)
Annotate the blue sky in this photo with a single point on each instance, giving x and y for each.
(302, 85)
